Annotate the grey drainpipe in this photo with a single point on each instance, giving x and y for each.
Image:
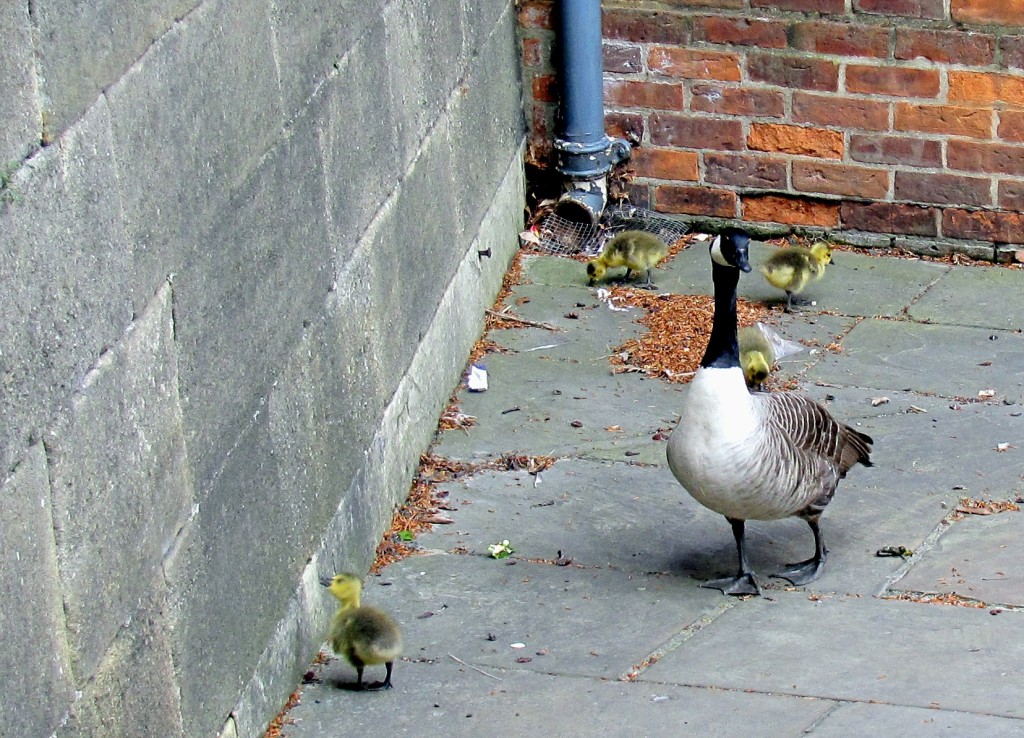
(584, 153)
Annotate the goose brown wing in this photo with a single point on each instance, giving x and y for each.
(812, 428)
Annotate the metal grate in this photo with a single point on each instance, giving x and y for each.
(565, 237)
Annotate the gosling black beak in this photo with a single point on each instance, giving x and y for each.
(326, 581)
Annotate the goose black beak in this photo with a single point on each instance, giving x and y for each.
(325, 581)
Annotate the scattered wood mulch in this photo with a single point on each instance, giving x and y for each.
(678, 328)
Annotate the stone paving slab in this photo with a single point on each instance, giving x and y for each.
(571, 620)
(987, 297)
(860, 650)
(855, 284)
(862, 719)
(831, 659)
(562, 409)
(444, 699)
(952, 361)
(978, 557)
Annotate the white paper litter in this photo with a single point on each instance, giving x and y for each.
(477, 379)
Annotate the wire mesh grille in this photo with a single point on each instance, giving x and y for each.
(558, 235)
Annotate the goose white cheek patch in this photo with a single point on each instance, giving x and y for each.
(716, 252)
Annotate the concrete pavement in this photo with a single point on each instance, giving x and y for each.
(622, 640)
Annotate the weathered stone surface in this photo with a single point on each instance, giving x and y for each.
(312, 39)
(350, 99)
(978, 296)
(261, 276)
(35, 673)
(20, 123)
(228, 577)
(133, 694)
(191, 120)
(121, 489)
(977, 557)
(910, 666)
(940, 359)
(85, 49)
(67, 287)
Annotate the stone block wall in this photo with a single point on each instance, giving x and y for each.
(876, 120)
(238, 281)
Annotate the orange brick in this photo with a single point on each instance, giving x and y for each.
(990, 158)
(839, 179)
(644, 27)
(841, 112)
(535, 14)
(1011, 125)
(691, 132)
(948, 119)
(947, 47)
(718, 29)
(806, 6)
(790, 210)
(983, 88)
(634, 93)
(665, 163)
(629, 126)
(695, 201)
(712, 98)
(621, 58)
(895, 81)
(793, 71)
(544, 88)
(691, 64)
(996, 12)
(817, 142)
(983, 225)
(533, 52)
(842, 39)
(908, 8)
(887, 217)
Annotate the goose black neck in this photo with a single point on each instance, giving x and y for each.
(723, 349)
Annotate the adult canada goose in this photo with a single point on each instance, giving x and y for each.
(790, 269)
(756, 456)
(638, 251)
(760, 348)
(364, 635)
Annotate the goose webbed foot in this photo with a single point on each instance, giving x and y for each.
(741, 584)
(807, 571)
(803, 572)
(386, 684)
(792, 300)
(648, 285)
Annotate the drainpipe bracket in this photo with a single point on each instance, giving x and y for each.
(589, 159)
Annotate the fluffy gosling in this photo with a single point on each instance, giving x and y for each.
(760, 349)
(638, 251)
(364, 635)
(790, 269)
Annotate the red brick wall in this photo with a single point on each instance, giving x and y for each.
(898, 118)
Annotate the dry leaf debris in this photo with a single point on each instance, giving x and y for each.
(969, 506)
(426, 505)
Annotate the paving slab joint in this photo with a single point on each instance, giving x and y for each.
(678, 640)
